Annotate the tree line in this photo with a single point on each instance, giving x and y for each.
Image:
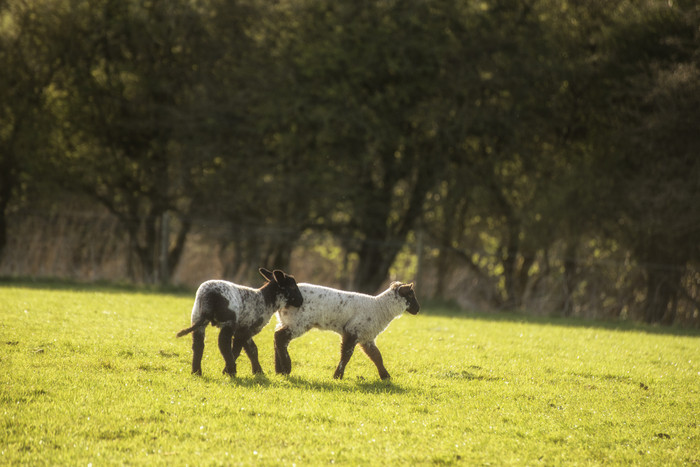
(527, 141)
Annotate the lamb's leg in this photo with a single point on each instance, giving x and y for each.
(370, 348)
(225, 337)
(252, 351)
(347, 347)
(236, 347)
(283, 362)
(197, 350)
(242, 341)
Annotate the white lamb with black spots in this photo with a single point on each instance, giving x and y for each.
(358, 318)
(241, 312)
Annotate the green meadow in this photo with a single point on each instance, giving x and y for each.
(96, 376)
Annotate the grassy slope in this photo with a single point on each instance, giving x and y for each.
(98, 377)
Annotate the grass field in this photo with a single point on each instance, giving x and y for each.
(96, 376)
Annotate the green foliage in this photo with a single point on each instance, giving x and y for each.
(128, 86)
(94, 375)
(512, 134)
(29, 57)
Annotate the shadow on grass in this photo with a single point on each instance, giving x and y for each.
(448, 310)
(474, 373)
(94, 286)
(347, 385)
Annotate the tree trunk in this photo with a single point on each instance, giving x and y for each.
(3, 225)
(511, 249)
(375, 259)
(664, 275)
(663, 286)
(6, 182)
(569, 278)
(175, 253)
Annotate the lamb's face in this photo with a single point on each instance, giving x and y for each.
(291, 293)
(286, 292)
(408, 294)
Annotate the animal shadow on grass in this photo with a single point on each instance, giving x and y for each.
(478, 375)
(362, 385)
(259, 380)
(262, 381)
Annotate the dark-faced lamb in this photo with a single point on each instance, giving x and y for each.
(358, 318)
(240, 312)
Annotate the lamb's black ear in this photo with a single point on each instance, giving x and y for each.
(405, 290)
(279, 276)
(266, 273)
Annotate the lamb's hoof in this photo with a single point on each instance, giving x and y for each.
(197, 372)
(337, 375)
(385, 377)
(229, 371)
(281, 370)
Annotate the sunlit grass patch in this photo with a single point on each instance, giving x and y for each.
(97, 376)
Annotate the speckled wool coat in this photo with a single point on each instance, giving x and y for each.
(364, 316)
(240, 312)
(249, 306)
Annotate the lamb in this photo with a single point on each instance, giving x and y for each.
(358, 318)
(241, 312)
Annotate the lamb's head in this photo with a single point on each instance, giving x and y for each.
(407, 292)
(283, 285)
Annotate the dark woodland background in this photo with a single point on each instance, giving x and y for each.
(538, 155)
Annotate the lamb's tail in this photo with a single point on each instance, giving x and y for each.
(202, 322)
